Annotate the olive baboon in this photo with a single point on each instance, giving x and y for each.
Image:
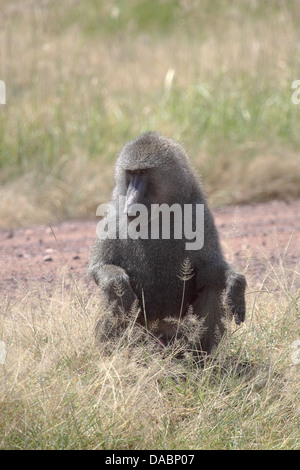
(153, 169)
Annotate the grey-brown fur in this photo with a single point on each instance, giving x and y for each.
(148, 271)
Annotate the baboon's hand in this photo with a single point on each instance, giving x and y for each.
(115, 284)
(235, 297)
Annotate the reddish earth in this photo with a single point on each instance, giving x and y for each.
(254, 236)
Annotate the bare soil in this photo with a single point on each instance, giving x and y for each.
(255, 237)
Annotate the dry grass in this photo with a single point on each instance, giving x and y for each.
(59, 390)
(84, 79)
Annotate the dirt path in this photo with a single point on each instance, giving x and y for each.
(253, 236)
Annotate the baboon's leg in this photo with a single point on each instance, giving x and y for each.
(208, 307)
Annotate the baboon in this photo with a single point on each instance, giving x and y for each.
(145, 271)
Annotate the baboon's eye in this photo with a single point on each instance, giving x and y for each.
(143, 172)
(131, 172)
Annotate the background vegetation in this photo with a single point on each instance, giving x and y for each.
(83, 77)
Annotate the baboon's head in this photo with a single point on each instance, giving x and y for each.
(153, 169)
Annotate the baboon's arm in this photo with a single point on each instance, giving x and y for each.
(115, 284)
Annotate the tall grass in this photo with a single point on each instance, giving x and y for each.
(60, 390)
(83, 79)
